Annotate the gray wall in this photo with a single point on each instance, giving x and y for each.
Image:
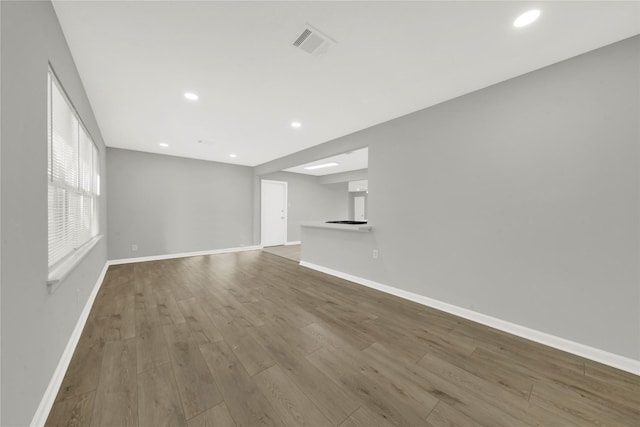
(308, 200)
(0, 234)
(36, 326)
(528, 201)
(169, 205)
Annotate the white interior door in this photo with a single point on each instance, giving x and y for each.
(358, 208)
(274, 213)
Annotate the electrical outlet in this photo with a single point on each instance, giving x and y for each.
(134, 247)
(375, 254)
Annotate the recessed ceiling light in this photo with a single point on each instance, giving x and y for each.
(526, 18)
(296, 124)
(325, 165)
(191, 96)
(164, 144)
(233, 156)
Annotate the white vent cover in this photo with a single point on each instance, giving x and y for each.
(314, 41)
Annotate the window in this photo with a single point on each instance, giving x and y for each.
(73, 171)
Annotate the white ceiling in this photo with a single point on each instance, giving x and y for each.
(136, 60)
(352, 160)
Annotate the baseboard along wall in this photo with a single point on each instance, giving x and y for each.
(595, 354)
(601, 356)
(182, 255)
(42, 413)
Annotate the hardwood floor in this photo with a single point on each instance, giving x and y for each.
(288, 251)
(251, 338)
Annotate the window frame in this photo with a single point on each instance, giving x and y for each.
(59, 270)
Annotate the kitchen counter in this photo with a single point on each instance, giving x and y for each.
(347, 248)
(362, 228)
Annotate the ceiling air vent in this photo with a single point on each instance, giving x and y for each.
(313, 41)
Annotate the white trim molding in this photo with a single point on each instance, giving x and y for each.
(61, 270)
(595, 354)
(182, 255)
(295, 242)
(42, 413)
(285, 209)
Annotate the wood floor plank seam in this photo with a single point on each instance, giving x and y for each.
(311, 397)
(354, 411)
(431, 411)
(203, 411)
(530, 391)
(292, 366)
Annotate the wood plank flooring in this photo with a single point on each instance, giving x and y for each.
(288, 251)
(253, 339)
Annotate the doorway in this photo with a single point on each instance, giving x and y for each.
(359, 209)
(273, 224)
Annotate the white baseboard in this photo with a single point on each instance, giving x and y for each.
(601, 356)
(182, 255)
(296, 242)
(40, 417)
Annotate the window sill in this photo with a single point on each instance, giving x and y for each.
(60, 271)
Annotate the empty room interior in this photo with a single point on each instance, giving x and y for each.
(318, 213)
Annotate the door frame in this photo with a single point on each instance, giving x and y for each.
(364, 207)
(262, 212)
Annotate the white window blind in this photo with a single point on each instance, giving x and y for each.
(73, 178)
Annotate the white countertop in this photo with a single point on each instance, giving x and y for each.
(362, 228)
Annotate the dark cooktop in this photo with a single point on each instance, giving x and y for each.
(347, 222)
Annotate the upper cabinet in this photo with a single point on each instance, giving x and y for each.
(362, 185)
